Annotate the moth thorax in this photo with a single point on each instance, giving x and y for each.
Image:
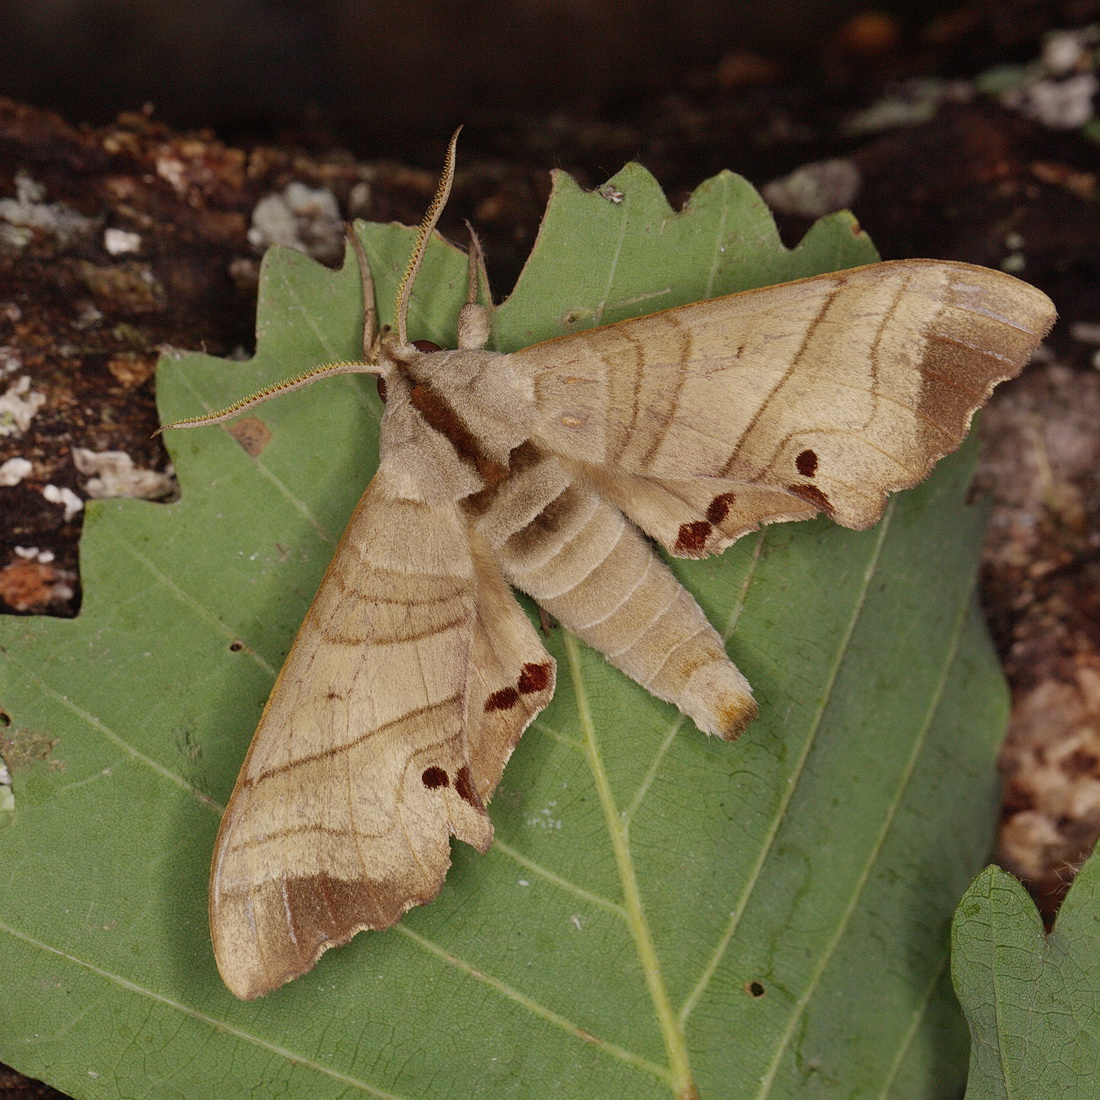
(485, 393)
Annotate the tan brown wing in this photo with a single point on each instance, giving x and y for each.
(705, 421)
(512, 676)
(376, 744)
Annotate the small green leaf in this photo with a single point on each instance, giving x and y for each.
(1032, 1000)
(661, 912)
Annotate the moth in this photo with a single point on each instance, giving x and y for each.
(551, 469)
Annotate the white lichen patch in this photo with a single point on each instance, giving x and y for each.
(1059, 87)
(301, 217)
(120, 241)
(10, 360)
(13, 471)
(816, 189)
(1065, 104)
(113, 474)
(28, 212)
(32, 553)
(18, 406)
(65, 497)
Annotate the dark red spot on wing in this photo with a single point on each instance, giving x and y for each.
(533, 678)
(381, 384)
(813, 495)
(504, 699)
(434, 777)
(806, 463)
(693, 536)
(464, 786)
(719, 508)
(426, 346)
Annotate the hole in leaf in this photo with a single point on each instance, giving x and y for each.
(7, 795)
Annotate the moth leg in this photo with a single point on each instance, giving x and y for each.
(546, 623)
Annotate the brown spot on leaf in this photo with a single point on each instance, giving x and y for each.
(533, 678)
(754, 989)
(719, 507)
(434, 777)
(465, 788)
(813, 495)
(24, 748)
(251, 433)
(806, 463)
(504, 699)
(693, 536)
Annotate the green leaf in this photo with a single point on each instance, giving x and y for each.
(661, 912)
(1032, 1000)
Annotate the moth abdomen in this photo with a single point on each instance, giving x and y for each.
(601, 578)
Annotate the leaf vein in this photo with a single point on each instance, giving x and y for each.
(533, 1006)
(822, 962)
(203, 1017)
(792, 784)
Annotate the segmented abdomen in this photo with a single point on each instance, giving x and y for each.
(589, 567)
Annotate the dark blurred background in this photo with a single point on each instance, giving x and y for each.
(380, 75)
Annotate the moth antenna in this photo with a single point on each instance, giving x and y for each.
(404, 291)
(477, 266)
(370, 313)
(299, 381)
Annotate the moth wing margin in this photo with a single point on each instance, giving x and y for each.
(360, 768)
(705, 421)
